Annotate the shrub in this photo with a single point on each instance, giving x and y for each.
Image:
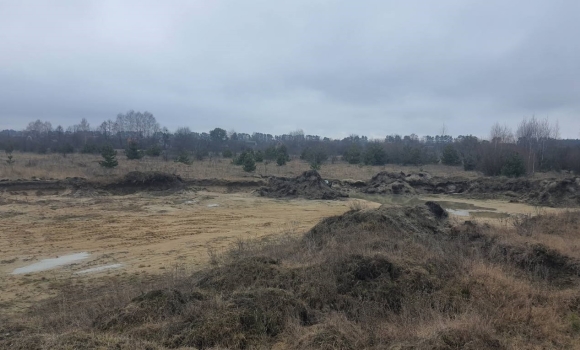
(227, 153)
(132, 151)
(281, 160)
(154, 151)
(353, 155)
(412, 155)
(249, 164)
(513, 166)
(201, 154)
(469, 163)
(259, 157)
(450, 156)
(279, 153)
(375, 154)
(8, 150)
(241, 159)
(109, 157)
(314, 156)
(66, 149)
(183, 157)
(315, 165)
(90, 148)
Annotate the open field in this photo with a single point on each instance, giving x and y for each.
(30, 165)
(146, 233)
(219, 266)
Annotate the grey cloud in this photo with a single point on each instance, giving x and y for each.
(331, 68)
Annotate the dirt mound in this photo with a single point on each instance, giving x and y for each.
(546, 192)
(557, 193)
(309, 185)
(535, 260)
(137, 181)
(390, 183)
(428, 218)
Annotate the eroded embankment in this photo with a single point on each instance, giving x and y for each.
(132, 182)
(546, 192)
(398, 277)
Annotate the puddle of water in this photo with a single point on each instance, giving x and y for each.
(455, 208)
(48, 264)
(100, 268)
(458, 212)
(490, 215)
(462, 206)
(478, 213)
(213, 205)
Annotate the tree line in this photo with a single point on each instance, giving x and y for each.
(534, 146)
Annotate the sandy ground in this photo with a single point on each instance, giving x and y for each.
(146, 233)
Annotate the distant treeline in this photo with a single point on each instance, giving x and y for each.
(535, 146)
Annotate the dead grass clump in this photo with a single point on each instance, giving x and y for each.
(463, 336)
(335, 333)
(77, 340)
(533, 258)
(153, 306)
(246, 273)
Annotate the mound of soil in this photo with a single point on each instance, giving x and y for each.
(309, 185)
(137, 181)
(546, 192)
(389, 183)
(422, 219)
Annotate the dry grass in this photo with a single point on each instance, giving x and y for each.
(387, 278)
(56, 166)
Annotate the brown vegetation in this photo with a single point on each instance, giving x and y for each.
(55, 166)
(392, 277)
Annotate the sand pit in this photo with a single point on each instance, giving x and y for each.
(146, 233)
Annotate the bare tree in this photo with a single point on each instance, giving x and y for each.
(501, 134)
(443, 130)
(39, 128)
(534, 135)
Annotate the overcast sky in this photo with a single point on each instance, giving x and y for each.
(331, 68)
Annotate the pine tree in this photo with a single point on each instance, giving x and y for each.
(249, 164)
(281, 159)
(109, 157)
(514, 166)
(450, 156)
(183, 157)
(9, 149)
(132, 151)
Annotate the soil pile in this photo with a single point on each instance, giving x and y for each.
(547, 192)
(399, 183)
(423, 219)
(309, 185)
(137, 181)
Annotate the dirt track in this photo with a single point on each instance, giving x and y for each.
(145, 232)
